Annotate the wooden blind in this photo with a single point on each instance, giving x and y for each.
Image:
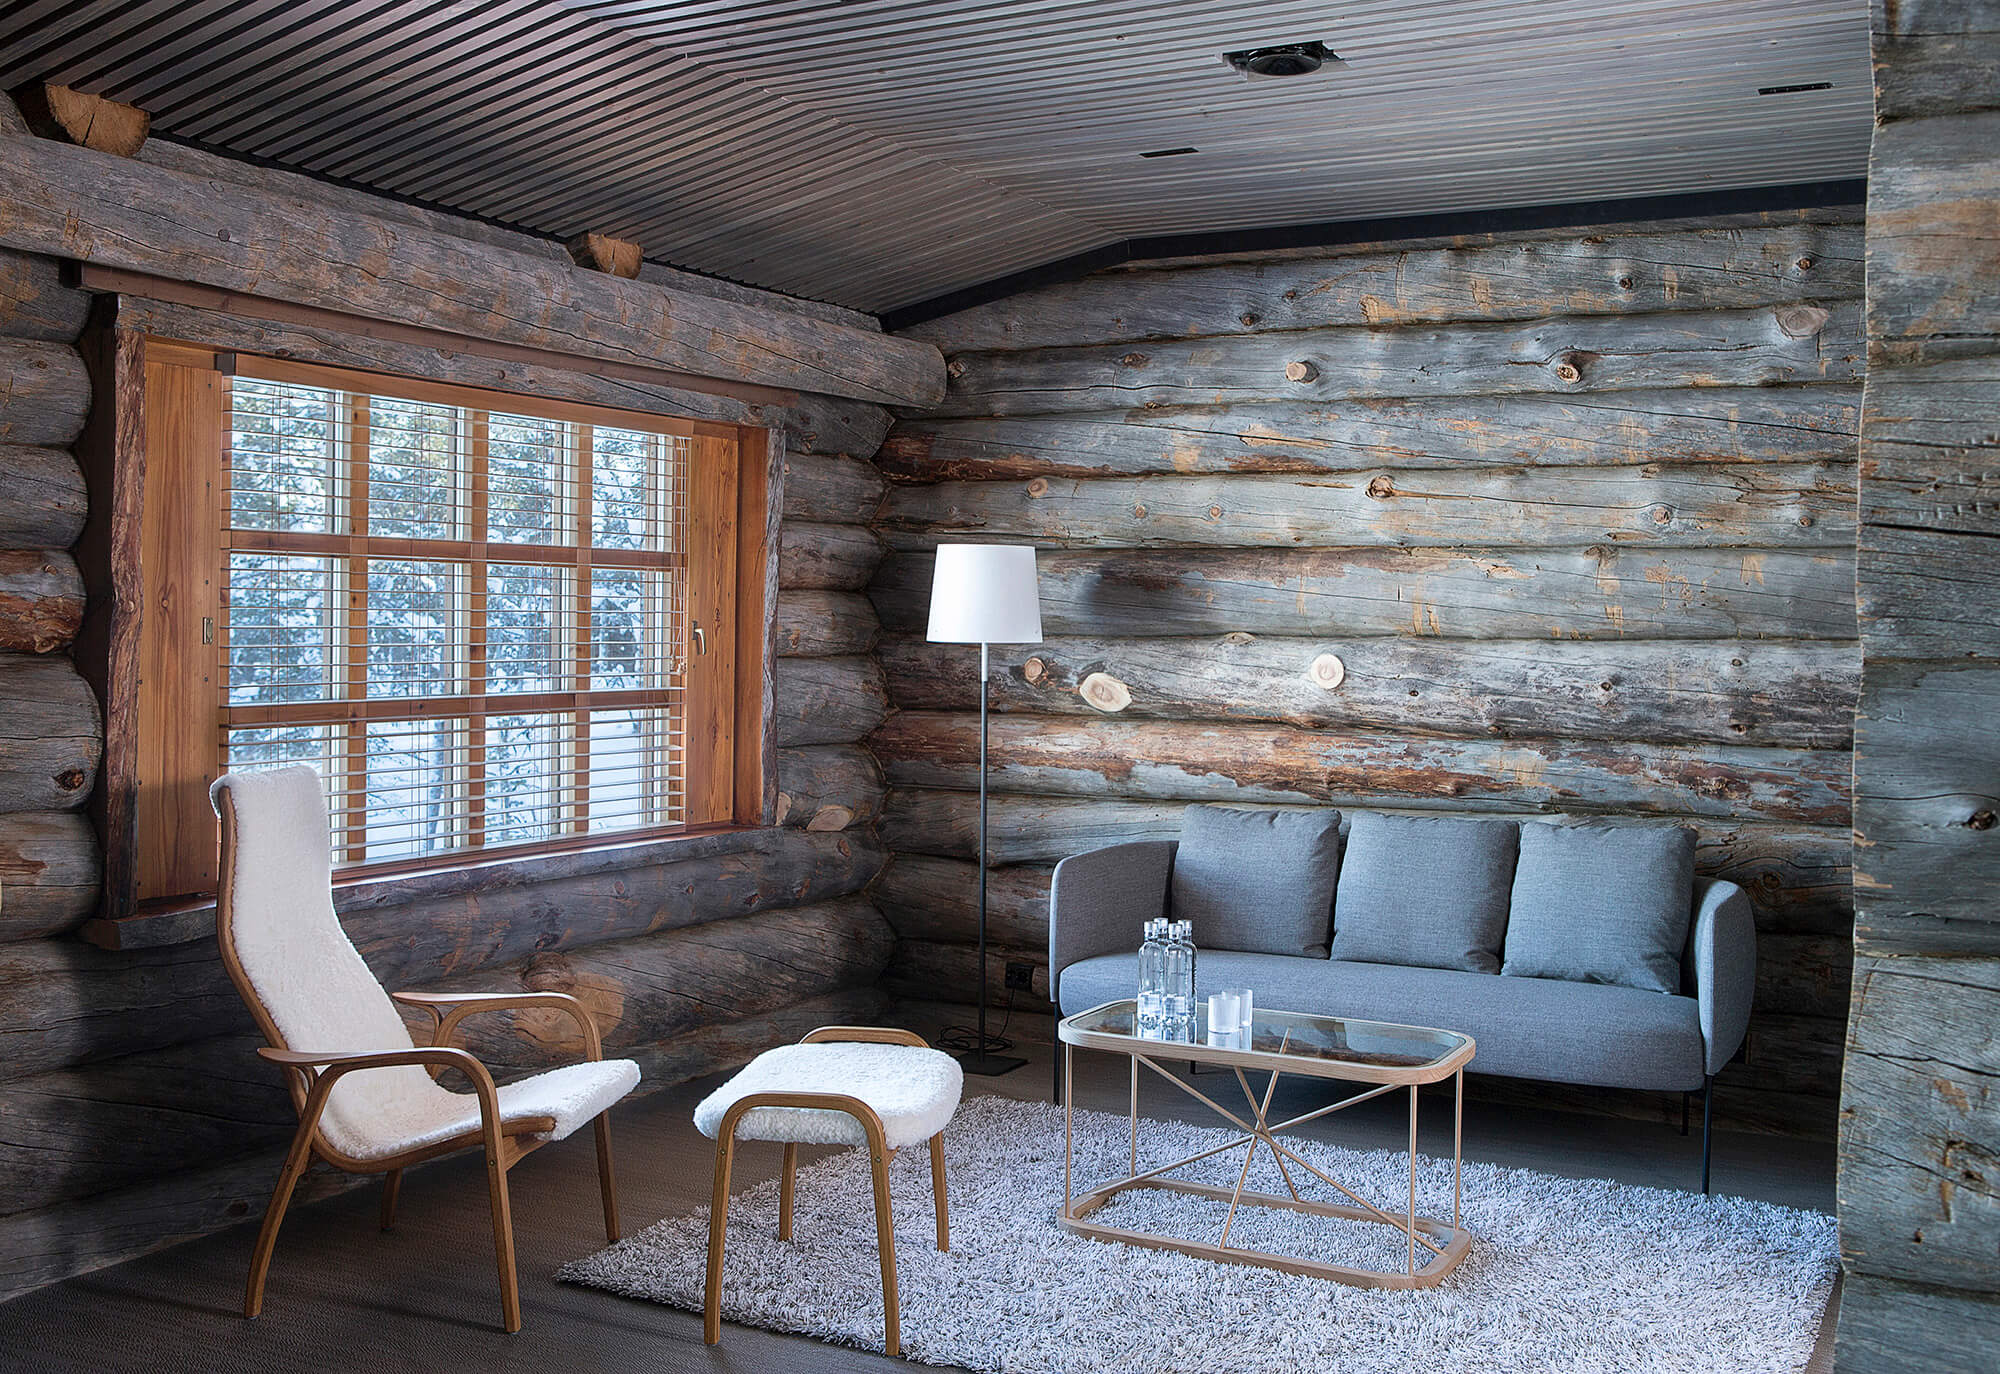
(491, 623)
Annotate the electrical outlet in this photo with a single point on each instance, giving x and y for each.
(1020, 975)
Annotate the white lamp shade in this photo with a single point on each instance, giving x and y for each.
(985, 594)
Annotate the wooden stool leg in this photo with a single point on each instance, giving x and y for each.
(885, 1244)
(274, 1215)
(937, 1192)
(786, 1182)
(718, 1223)
(607, 1182)
(392, 1189)
(503, 1241)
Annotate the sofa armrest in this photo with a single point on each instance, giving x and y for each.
(1098, 902)
(1721, 964)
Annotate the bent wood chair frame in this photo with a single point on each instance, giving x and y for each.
(879, 1155)
(310, 1077)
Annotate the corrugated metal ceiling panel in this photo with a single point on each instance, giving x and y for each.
(877, 152)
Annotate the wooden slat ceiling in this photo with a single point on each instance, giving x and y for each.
(879, 152)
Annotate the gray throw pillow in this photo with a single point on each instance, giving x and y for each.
(1602, 904)
(1425, 892)
(1260, 882)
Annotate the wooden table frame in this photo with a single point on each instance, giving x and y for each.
(1447, 1244)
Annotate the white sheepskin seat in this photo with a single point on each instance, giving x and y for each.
(914, 1090)
(323, 999)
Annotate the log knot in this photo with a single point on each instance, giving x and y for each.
(1034, 670)
(1327, 672)
(1038, 488)
(1382, 487)
(1105, 692)
(955, 368)
(1301, 371)
(1569, 366)
(1981, 820)
(1802, 321)
(1134, 360)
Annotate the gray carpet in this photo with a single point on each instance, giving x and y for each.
(1569, 1276)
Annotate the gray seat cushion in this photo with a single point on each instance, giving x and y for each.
(1257, 881)
(1588, 1033)
(1424, 891)
(1602, 904)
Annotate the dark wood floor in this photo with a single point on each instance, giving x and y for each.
(345, 1296)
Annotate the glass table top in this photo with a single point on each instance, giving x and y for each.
(1311, 1043)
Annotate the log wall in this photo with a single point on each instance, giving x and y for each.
(1920, 1119)
(1554, 525)
(132, 1110)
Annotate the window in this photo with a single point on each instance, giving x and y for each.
(492, 623)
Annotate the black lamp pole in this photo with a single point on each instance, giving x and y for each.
(980, 1059)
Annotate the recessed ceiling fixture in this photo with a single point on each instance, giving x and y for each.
(1789, 90)
(1282, 59)
(1170, 152)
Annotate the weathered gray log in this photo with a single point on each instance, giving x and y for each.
(1927, 801)
(1782, 506)
(1592, 274)
(814, 623)
(1590, 593)
(63, 1002)
(1930, 199)
(1797, 876)
(837, 556)
(817, 424)
(835, 489)
(946, 971)
(45, 498)
(34, 303)
(938, 899)
(1796, 343)
(723, 289)
(1662, 691)
(50, 870)
(1927, 593)
(648, 991)
(1919, 1199)
(829, 700)
(1706, 425)
(44, 392)
(167, 1205)
(118, 213)
(1804, 975)
(1933, 57)
(51, 737)
(41, 600)
(828, 787)
(1907, 1328)
(1932, 458)
(1159, 760)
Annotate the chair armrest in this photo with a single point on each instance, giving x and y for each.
(1721, 963)
(447, 1009)
(333, 1064)
(873, 1035)
(1098, 902)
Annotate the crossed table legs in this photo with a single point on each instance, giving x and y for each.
(1445, 1245)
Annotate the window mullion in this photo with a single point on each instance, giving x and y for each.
(353, 790)
(475, 755)
(581, 628)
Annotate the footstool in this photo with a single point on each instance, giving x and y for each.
(841, 1085)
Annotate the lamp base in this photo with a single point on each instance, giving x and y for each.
(988, 1065)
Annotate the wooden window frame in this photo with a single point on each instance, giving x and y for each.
(165, 714)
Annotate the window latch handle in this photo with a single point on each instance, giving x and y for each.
(208, 629)
(700, 639)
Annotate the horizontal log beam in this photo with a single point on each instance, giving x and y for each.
(1707, 425)
(829, 700)
(34, 301)
(50, 871)
(1780, 506)
(840, 557)
(1887, 1325)
(938, 971)
(1930, 207)
(1253, 763)
(817, 623)
(1932, 455)
(1594, 274)
(1716, 348)
(122, 214)
(938, 899)
(828, 787)
(816, 424)
(51, 739)
(838, 489)
(44, 392)
(45, 498)
(1660, 691)
(1600, 592)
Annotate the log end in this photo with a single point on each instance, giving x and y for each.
(602, 253)
(1327, 672)
(1105, 692)
(831, 818)
(89, 121)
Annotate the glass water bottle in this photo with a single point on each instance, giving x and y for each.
(1153, 982)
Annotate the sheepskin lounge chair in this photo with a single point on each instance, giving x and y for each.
(363, 1087)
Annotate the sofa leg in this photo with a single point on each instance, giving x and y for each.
(1707, 1127)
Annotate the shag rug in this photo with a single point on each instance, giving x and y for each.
(1566, 1276)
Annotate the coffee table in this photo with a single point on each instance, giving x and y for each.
(1388, 1057)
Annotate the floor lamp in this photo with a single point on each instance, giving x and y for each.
(984, 594)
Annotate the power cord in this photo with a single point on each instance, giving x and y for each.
(965, 1039)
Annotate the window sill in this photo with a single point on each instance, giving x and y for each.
(180, 921)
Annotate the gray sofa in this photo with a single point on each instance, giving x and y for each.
(1546, 1028)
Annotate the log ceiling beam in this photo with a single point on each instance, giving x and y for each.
(116, 213)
